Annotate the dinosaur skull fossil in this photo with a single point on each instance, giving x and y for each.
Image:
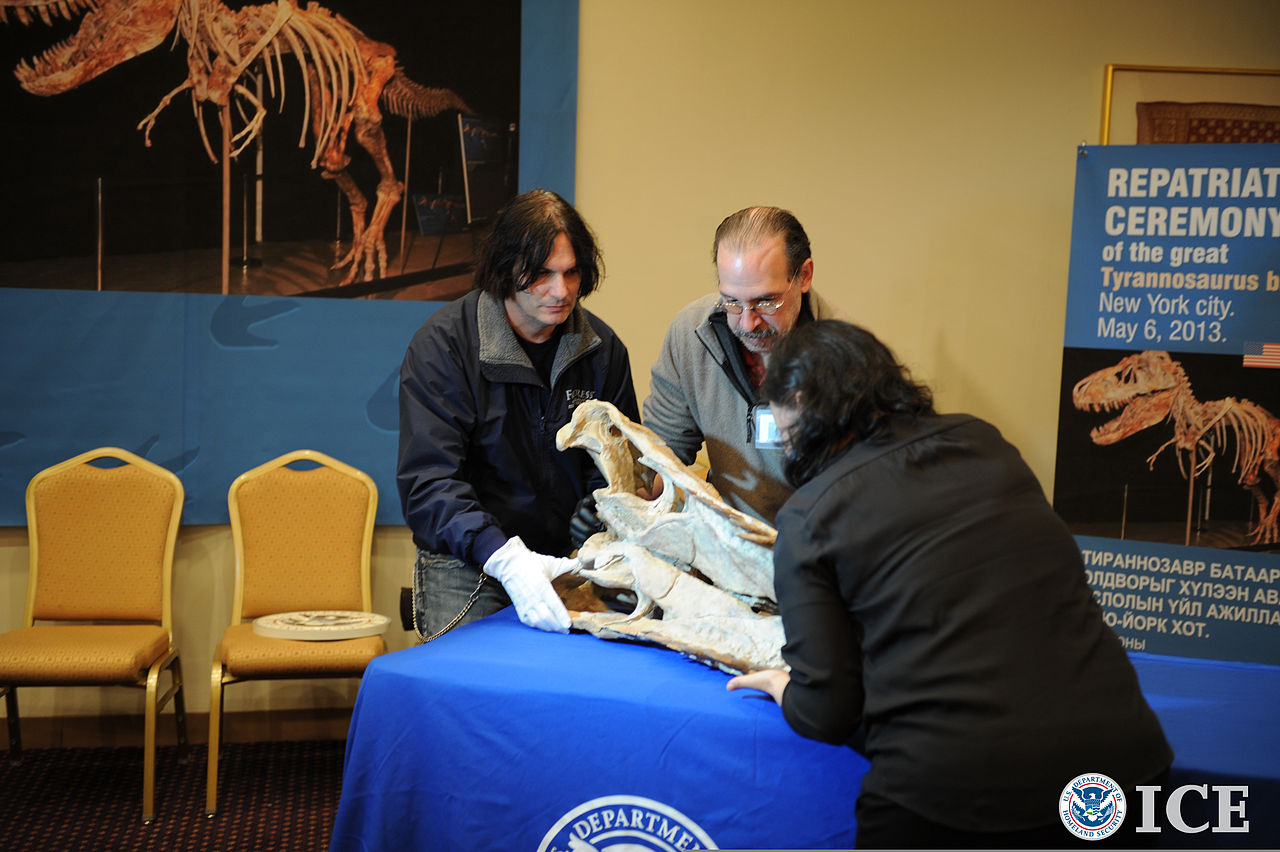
(1144, 384)
(701, 571)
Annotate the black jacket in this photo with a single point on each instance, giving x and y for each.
(478, 462)
(936, 606)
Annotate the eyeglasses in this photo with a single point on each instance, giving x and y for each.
(764, 307)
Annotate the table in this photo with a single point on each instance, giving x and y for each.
(497, 736)
(1221, 718)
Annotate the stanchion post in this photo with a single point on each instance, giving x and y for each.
(337, 224)
(225, 114)
(1191, 495)
(98, 216)
(404, 196)
(246, 262)
(244, 222)
(1124, 510)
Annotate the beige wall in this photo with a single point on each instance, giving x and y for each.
(927, 145)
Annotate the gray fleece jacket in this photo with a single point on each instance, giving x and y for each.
(698, 391)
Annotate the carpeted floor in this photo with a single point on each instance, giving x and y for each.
(273, 795)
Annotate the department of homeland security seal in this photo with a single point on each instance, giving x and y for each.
(1091, 806)
(624, 824)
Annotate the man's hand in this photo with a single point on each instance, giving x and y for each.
(654, 491)
(772, 681)
(527, 577)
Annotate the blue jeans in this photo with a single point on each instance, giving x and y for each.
(442, 587)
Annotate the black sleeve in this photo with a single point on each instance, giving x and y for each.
(824, 699)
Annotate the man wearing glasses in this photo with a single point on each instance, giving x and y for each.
(705, 384)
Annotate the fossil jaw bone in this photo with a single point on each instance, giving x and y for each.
(111, 32)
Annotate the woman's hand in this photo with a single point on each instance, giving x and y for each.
(652, 491)
(772, 681)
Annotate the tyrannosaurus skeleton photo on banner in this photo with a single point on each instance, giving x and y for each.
(1150, 389)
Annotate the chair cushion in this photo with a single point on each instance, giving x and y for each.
(247, 655)
(80, 653)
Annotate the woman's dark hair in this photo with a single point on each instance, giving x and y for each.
(523, 232)
(845, 384)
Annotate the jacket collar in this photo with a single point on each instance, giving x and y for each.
(504, 359)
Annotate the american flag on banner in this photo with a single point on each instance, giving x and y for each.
(1262, 354)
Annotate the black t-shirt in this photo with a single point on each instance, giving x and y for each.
(543, 355)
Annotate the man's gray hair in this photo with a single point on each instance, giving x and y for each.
(753, 226)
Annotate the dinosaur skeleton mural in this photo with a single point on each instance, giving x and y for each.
(346, 76)
(1151, 388)
(700, 570)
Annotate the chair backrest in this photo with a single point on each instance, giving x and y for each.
(303, 536)
(102, 539)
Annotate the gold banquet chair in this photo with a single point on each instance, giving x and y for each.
(101, 543)
(303, 537)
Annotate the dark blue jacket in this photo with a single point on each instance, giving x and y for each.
(478, 461)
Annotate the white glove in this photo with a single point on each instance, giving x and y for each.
(527, 577)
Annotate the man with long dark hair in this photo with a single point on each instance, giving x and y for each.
(936, 612)
(485, 384)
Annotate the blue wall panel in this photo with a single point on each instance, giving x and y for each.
(207, 386)
(548, 95)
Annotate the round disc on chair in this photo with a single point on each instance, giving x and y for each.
(321, 624)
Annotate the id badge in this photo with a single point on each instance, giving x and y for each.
(764, 429)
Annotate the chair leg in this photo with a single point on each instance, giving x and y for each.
(215, 723)
(15, 729)
(180, 713)
(149, 748)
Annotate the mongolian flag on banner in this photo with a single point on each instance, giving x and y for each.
(1262, 354)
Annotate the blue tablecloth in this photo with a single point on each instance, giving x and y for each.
(1221, 718)
(496, 736)
(1223, 721)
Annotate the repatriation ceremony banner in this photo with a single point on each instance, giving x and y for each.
(1169, 418)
